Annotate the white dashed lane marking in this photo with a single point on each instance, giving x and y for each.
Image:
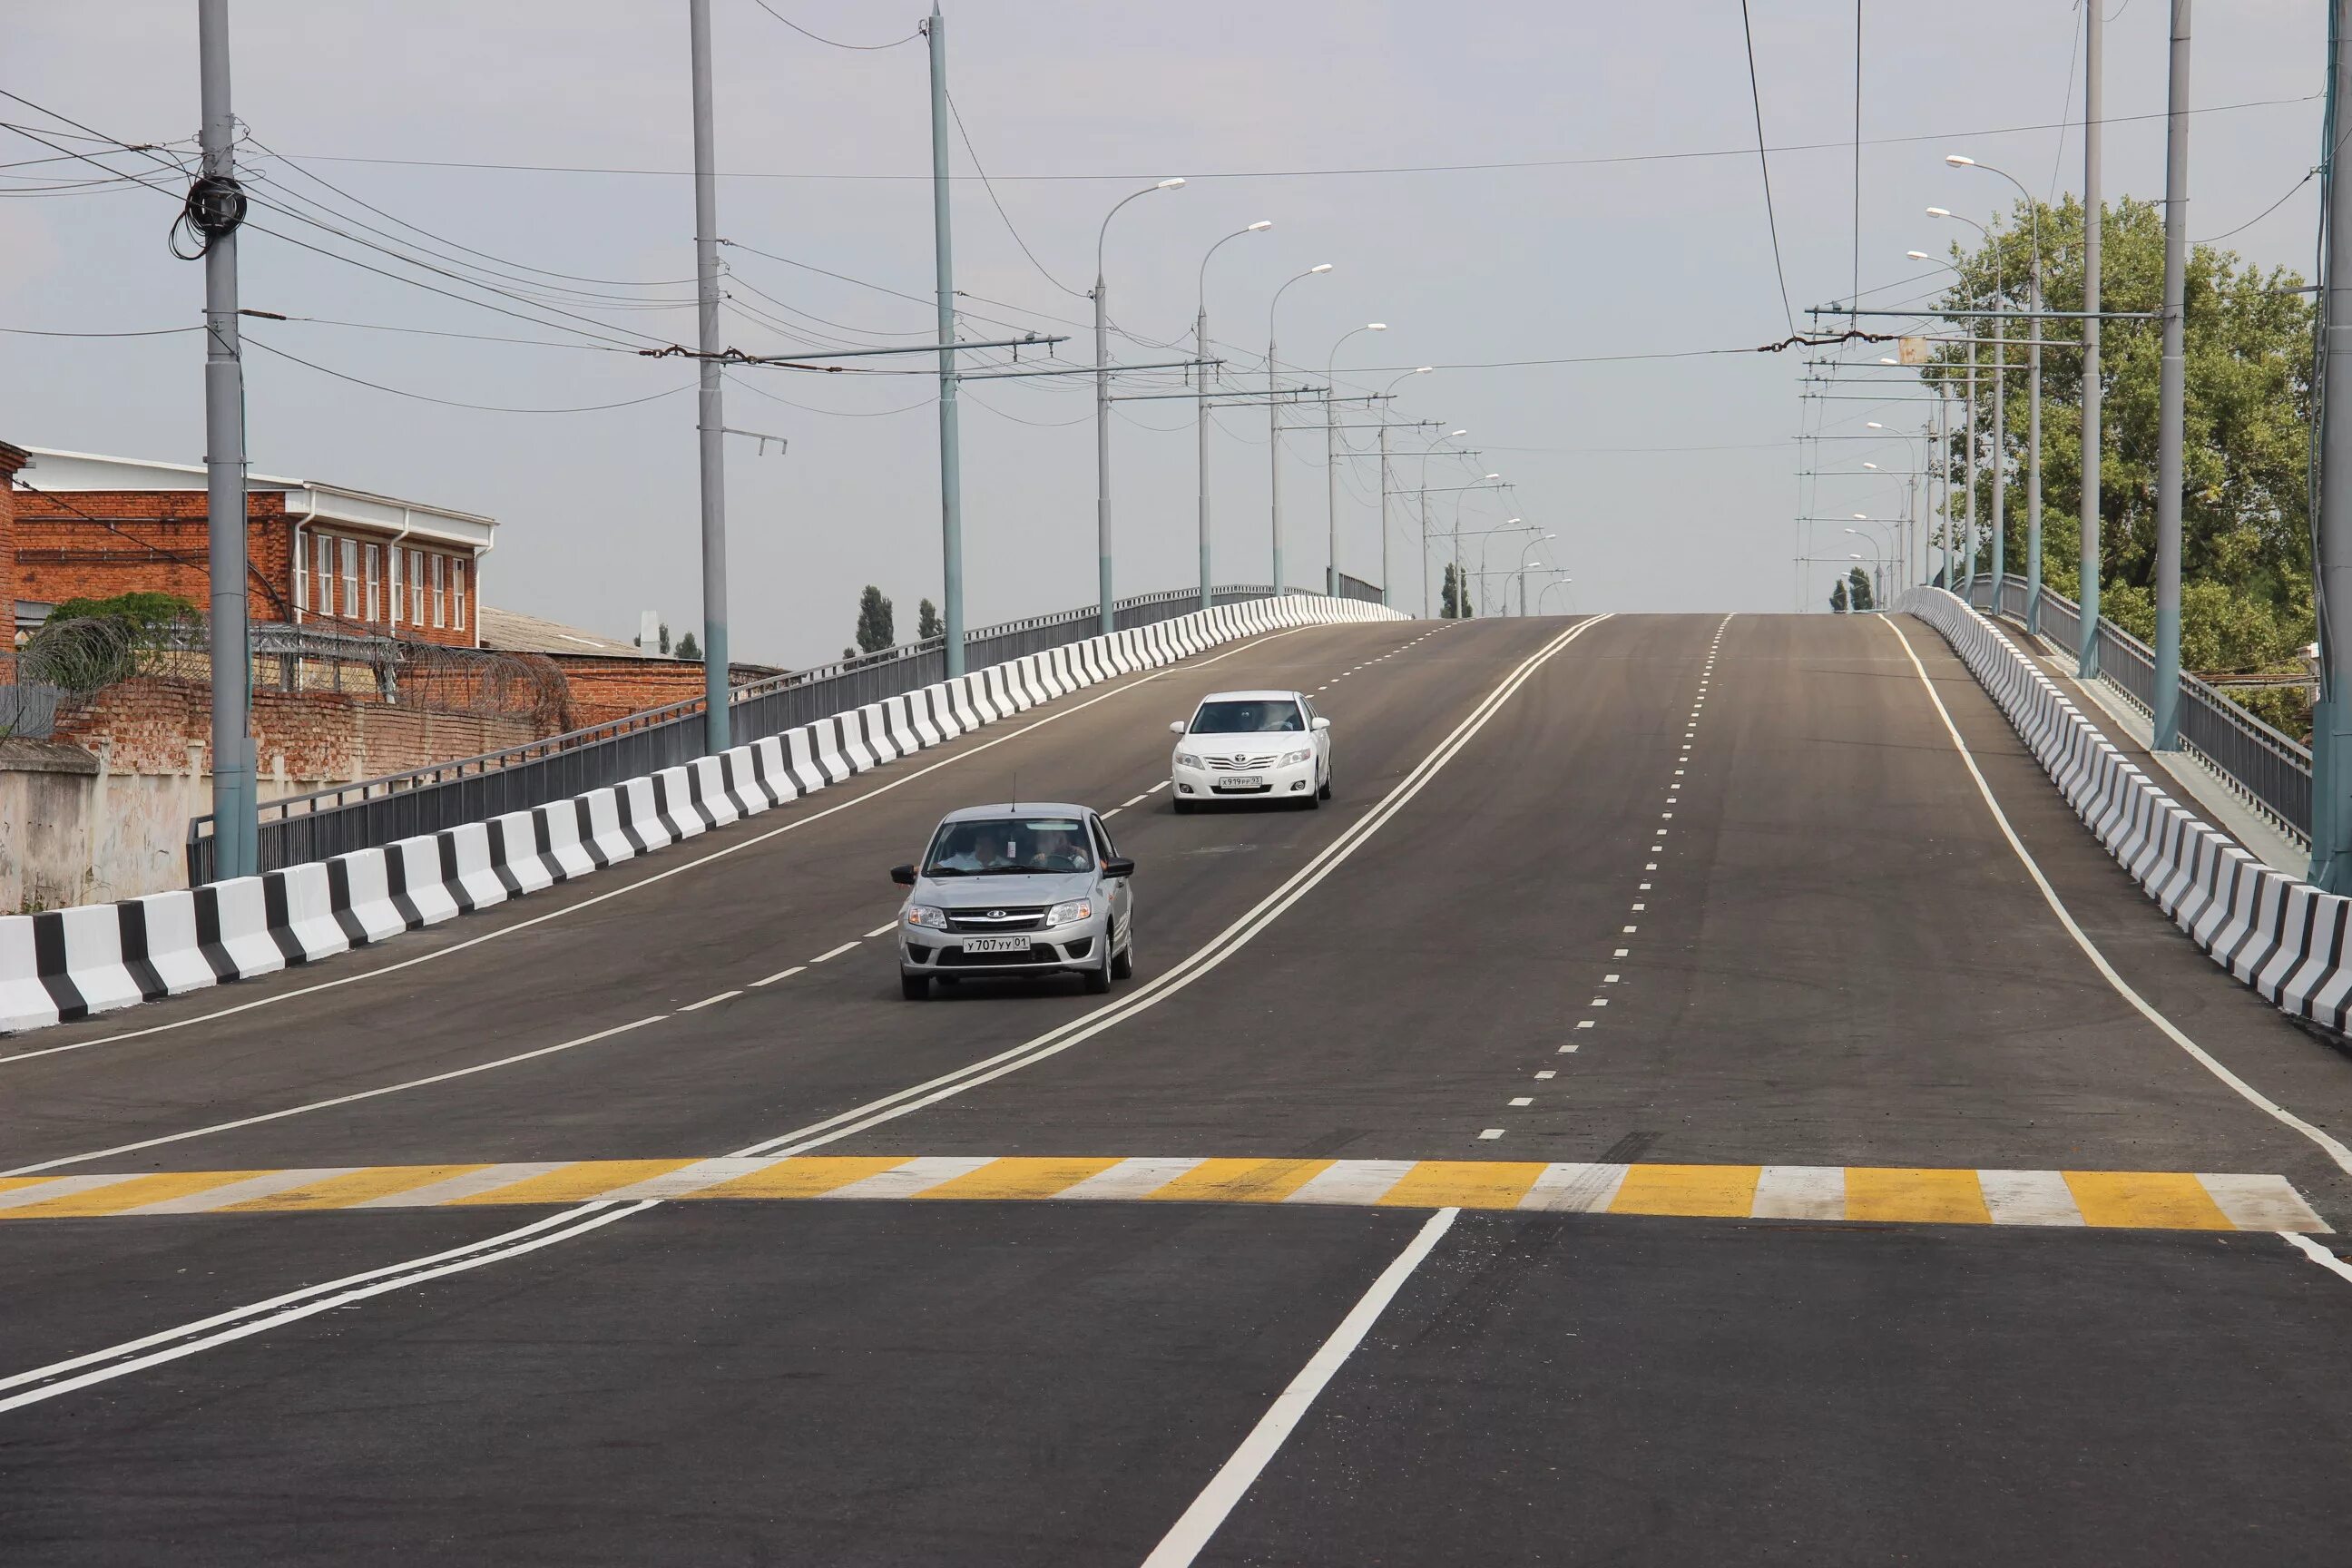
(836, 952)
(780, 974)
(706, 1000)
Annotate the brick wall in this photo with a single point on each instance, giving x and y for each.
(604, 688)
(149, 726)
(11, 460)
(98, 543)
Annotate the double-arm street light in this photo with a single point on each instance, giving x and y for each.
(1274, 422)
(1386, 391)
(1331, 454)
(1102, 402)
(2033, 398)
(1968, 518)
(1202, 414)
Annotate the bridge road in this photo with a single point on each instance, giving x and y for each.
(1838, 960)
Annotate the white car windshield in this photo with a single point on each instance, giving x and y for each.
(1252, 716)
(1008, 847)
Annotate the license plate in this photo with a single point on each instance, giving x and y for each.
(996, 945)
(1239, 781)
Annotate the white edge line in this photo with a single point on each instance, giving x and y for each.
(2334, 1150)
(1200, 1522)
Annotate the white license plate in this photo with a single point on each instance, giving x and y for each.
(996, 945)
(1238, 781)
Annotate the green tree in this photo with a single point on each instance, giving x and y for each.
(1858, 595)
(2245, 518)
(875, 630)
(1456, 596)
(688, 648)
(665, 639)
(928, 624)
(1837, 597)
(141, 611)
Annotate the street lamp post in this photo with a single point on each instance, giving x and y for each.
(1101, 297)
(1331, 455)
(1532, 545)
(1202, 412)
(2033, 399)
(1999, 564)
(1425, 454)
(1388, 391)
(1274, 424)
(1458, 589)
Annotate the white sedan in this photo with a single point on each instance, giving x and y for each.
(1252, 745)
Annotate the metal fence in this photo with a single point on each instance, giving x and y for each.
(379, 811)
(29, 712)
(2269, 768)
(1357, 588)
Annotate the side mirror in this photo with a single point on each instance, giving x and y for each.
(1119, 866)
(1322, 723)
(903, 875)
(1176, 727)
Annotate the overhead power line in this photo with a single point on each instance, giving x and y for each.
(453, 403)
(1764, 162)
(833, 43)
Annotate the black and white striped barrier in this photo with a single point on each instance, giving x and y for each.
(2275, 931)
(67, 963)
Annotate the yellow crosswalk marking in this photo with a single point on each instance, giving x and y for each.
(1464, 1184)
(1720, 1191)
(1241, 1181)
(1016, 1177)
(574, 1183)
(116, 1197)
(809, 1176)
(1914, 1197)
(2146, 1199)
(343, 1192)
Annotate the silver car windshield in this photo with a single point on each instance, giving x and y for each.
(1009, 847)
(1277, 716)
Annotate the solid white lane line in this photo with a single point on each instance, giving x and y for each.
(879, 931)
(2317, 1254)
(338, 1100)
(779, 974)
(1201, 1522)
(661, 876)
(835, 952)
(706, 1000)
(2334, 1149)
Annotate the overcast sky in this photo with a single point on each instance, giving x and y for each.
(1669, 482)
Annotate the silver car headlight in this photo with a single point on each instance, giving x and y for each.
(924, 915)
(1070, 913)
(1291, 758)
(1187, 759)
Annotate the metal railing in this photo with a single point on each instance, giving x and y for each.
(1357, 588)
(2269, 769)
(371, 813)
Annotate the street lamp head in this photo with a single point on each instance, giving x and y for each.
(1168, 184)
(1957, 162)
(1872, 424)
(1261, 223)
(1318, 267)
(1514, 523)
(1870, 465)
(1495, 477)
(1919, 256)
(1451, 434)
(1939, 212)
(1423, 369)
(1376, 326)
(1860, 517)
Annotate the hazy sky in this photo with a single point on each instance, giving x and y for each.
(1669, 482)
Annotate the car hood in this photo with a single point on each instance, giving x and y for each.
(998, 892)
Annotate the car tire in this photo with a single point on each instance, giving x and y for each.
(1313, 801)
(915, 987)
(1122, 960)
(1325, 793)
(1098, 979)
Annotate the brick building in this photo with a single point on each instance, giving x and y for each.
(86, 526)
(12, 459)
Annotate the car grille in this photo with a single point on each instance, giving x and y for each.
(1239, 765)
(1009, 917)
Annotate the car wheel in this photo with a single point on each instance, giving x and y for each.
(1122, 960)
(1098, 979)
(1325, 793)
(1313, 801)
(915, 987)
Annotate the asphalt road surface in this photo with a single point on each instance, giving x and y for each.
(1654, 1114)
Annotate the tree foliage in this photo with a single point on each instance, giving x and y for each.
(1837, 597)
(928, 624)
(688, 648)
(875, 628)
(2245, 515)
(1858, 595)
(1456, 596)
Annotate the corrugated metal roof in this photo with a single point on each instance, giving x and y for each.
(511, 631)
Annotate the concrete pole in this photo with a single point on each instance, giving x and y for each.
(2034, 442)
(1384, 514)
(711, 419)
(1274, 451)
(950, 443)
(2086, 647)
(1426, 610)
(2172, 394)
(2000, 440)
(1969, 510)
(236, 831)
(1200, 430)
(2331, 736)
(1331, 490)
(1102, 451)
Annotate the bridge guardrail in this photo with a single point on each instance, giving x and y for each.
(2268, 768)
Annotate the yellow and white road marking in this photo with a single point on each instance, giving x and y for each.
(2103, 1200)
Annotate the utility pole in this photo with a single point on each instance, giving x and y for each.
(1200, 413)
(2086, 647)
(1423, 512)
(1110, 616)
(1968, 568)
(1384, 511)
(2172, 389)
(950, 445)
(2000, 444)
(1274, 451)
(217, 205)
(2033, 443)
(710, 422)
(2331, 737)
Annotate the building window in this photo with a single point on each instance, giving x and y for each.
(322, 581)
(416, 589)
(351, 579)
(457, 594)
(398, 593)
(440, 595)
(371, 573)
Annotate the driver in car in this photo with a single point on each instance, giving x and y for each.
(1054, 850)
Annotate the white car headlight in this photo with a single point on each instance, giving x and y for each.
(1289, 758)
(924, 915)
(1065, 914)
(1187, 759)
